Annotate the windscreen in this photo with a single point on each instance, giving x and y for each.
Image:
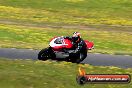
(59, 40)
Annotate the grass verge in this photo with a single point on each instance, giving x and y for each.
(37, 38)
(71, 14)
(36, 74)
(60, 12)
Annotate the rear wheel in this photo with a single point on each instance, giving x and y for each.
(45, 54)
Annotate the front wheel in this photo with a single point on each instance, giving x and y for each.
(77, 58)
(45, 54)
(81, 57)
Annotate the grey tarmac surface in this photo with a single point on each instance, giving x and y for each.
(92, 59)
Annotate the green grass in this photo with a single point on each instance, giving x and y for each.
(38, 38)
(36, 74)
(68, 12)
(25, 24)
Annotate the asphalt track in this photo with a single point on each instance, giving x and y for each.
(93, 59)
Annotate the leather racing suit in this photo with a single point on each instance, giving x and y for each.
(78, 47)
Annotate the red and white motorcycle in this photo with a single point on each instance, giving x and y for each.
(58, 47)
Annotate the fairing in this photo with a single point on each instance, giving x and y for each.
(90, 45)
(59, 43)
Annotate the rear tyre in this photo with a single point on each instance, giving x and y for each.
(45, 54)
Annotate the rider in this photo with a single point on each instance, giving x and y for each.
(79, 46)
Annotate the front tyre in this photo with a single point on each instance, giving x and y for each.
(45, 54)
(77, 58)
(81, 57)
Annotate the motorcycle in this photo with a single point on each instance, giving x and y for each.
(61, 49)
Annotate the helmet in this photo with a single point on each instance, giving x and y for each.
(76, 36)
